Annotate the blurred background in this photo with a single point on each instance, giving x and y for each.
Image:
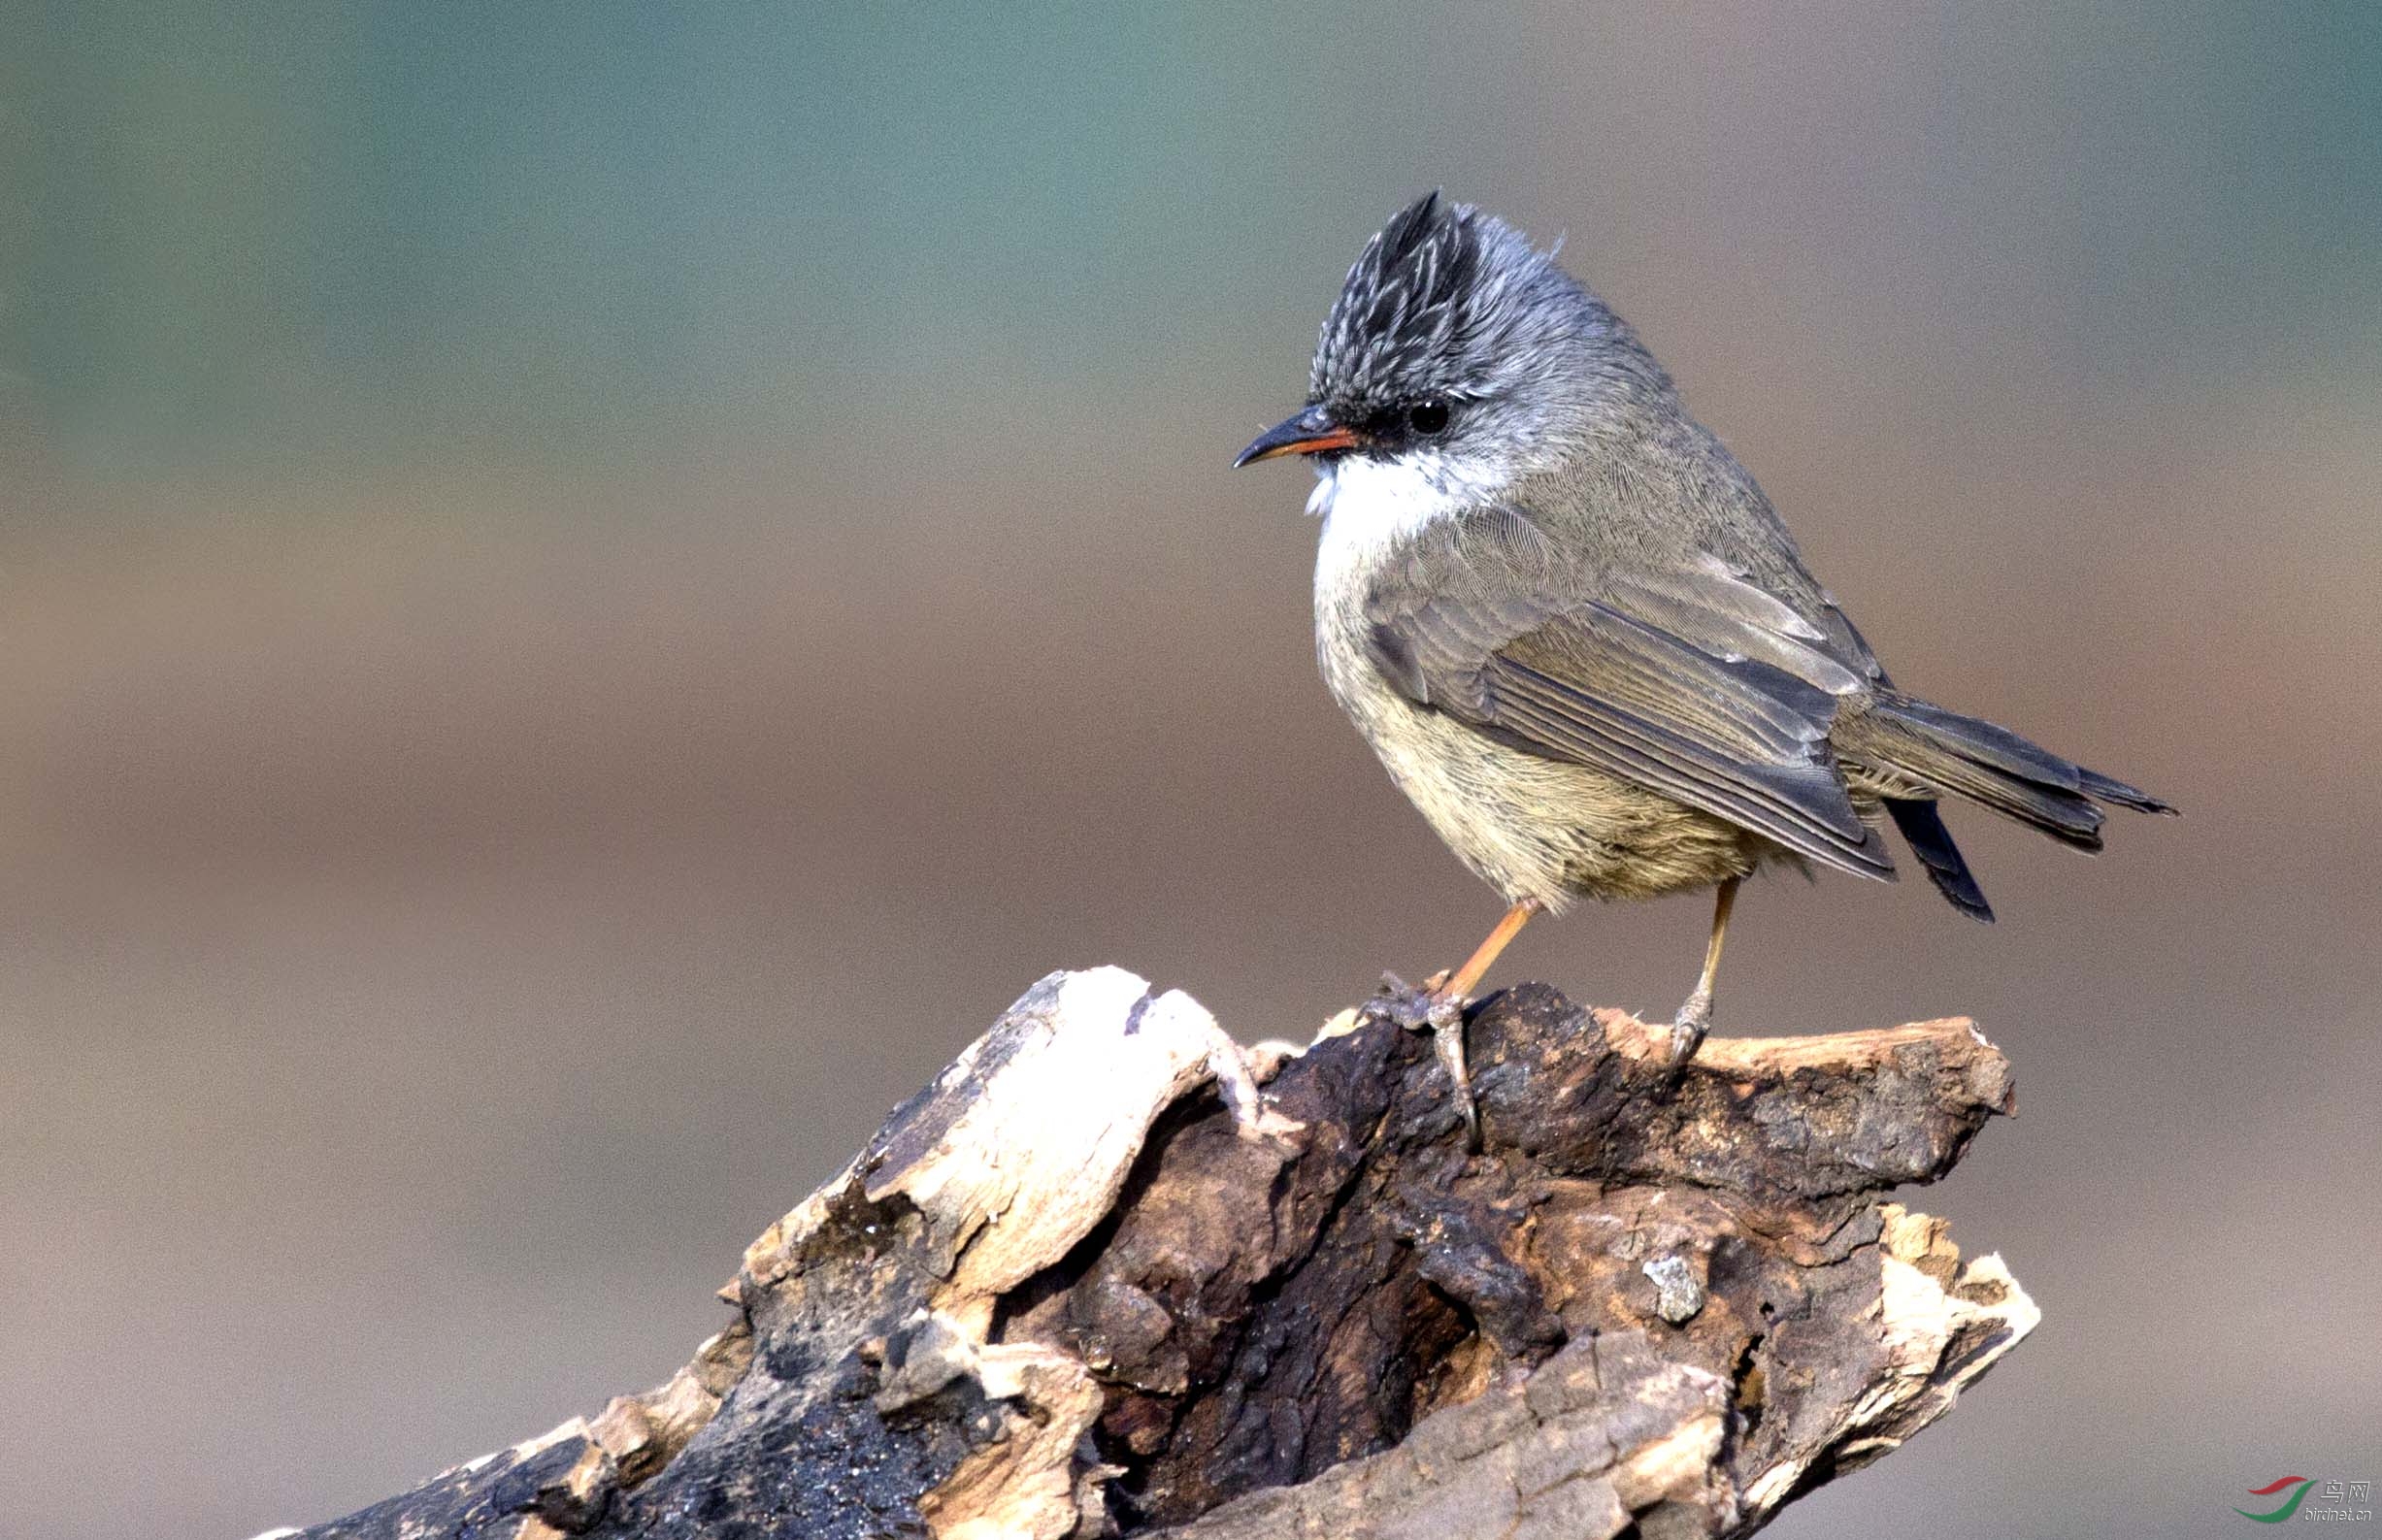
(586, 593)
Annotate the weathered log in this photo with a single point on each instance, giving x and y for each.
(1095, 1280)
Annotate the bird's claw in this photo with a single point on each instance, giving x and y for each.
(1398, 1004)
(1424, 1009)
(1687, 1029)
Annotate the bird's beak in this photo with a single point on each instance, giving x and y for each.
(1311, 432)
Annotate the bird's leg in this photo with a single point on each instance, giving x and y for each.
(1477, 965)
(1695, 1018)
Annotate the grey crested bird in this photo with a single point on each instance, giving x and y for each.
(1575, 630)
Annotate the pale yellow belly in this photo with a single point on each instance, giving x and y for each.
(1539, 828)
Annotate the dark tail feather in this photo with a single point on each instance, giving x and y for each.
(2096, 784)
(1923, 829)
(1995, 765)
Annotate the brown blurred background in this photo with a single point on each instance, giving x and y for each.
(585, 595)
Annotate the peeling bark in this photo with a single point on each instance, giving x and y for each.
(1095, 1281)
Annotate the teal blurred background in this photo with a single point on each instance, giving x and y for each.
(587, 592)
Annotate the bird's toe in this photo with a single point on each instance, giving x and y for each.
(1687, 1029)
(1403, 1004)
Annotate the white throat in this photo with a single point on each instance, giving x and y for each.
(1370, 506)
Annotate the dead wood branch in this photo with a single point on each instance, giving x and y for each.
(1094, 1281)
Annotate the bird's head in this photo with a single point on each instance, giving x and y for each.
(1456, 341)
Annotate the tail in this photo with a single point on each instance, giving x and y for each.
(1986, 764)
(1931, 841)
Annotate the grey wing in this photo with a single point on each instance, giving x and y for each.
(1696, 685)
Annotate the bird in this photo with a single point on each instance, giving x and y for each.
(1578, 636)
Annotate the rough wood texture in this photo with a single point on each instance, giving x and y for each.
(1093, 1282)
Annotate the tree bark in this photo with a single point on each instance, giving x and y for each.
(1111, 1274)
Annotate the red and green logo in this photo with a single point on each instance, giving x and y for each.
(2290, 1504)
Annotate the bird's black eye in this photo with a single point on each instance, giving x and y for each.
(1428, 419)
